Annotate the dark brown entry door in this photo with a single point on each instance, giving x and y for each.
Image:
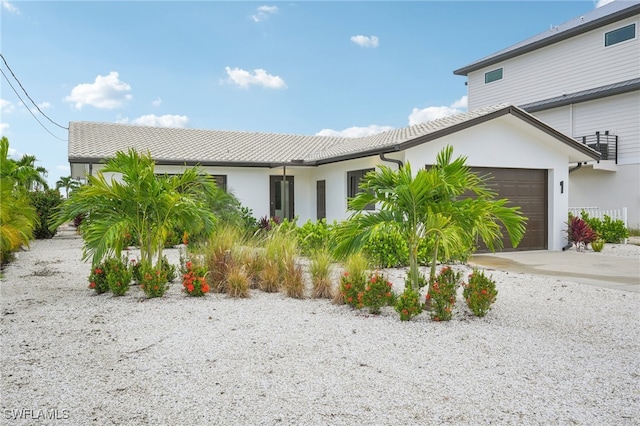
(281, 197)
(526, 188)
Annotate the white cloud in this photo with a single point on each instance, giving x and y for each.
(156, 102)
(461, 103)
(435, 112)
(162, 120)
(9, 7)
(264, 12)
(365, 41)
(244, 79)
(354, 132)
(63, 168)
(106, 92)
(600, 3)
(6, 106)
(3, 127)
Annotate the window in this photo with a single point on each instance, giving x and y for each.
(492, 76)
(353, 184)
(321, 200)
(221, 181)
(620, 35)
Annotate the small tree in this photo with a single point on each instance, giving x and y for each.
(432, 203)
(142, 204)
(68, 183)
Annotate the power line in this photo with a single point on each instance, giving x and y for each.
(25, 92)
(29, 109)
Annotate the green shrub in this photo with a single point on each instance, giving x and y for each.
(46, 202)
(612, 231)
(479, 293)
(387, 249)
(313, 236)
(597, 245)
(153, 280)
(118, 275)
(408, 303)
(353, 280)
(442, 294)
(98, 279)
(377, 293)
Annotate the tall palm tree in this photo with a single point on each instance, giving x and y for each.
(141, 203)
(68, 183)
(435, 204)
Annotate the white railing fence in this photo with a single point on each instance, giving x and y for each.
(615, 214)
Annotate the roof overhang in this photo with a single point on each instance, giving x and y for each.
(584, 96)
(546, 41)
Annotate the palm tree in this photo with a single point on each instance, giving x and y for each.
(18, 217)
(68, 183)
(142, 204)
(432, 204)
(24, 172)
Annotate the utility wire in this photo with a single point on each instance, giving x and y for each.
(29, 109)
(25, 92)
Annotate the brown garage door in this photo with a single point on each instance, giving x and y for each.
(526, 188)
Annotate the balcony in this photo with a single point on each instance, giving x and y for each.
(604, 143)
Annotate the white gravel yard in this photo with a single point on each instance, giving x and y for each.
(550, 352)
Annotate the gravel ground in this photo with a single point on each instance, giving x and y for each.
(550, 352)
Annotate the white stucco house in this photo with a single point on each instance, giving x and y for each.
(312, 177)
(582, 78)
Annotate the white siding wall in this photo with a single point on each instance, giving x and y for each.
(608, 190)
(572, 65)
(335, 176)
(620, 115)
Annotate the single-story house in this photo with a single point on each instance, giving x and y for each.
(312, 177)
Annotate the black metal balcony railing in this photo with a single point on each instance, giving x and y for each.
(604, 143)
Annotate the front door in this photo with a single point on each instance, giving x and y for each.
(281, 197)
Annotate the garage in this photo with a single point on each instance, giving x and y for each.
(526, 188)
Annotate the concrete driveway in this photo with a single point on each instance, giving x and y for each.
(597, 269)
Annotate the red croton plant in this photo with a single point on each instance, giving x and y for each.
(580, 233)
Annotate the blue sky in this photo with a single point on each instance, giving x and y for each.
(343, 68)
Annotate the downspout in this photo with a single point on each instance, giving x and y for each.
(391, 160)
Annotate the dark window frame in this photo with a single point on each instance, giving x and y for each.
(494, 75)
(354, 177)
(620, 35)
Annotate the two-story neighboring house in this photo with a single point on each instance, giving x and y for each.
(583, 79)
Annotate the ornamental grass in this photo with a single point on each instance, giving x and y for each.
(293, 282)
(320, 271)
(238, 282)
(270, 277)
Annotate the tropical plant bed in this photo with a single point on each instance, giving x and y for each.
(273, 359)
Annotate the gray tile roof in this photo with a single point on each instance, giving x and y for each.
(598, 17)
(584, 95)
(94, 142)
